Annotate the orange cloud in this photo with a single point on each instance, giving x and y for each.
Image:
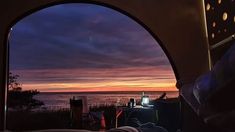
(86, 80)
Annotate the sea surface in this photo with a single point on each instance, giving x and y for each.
(55, 101)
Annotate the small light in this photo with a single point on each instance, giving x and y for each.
(225, 16)
(145, 100)
(219, 1)
(213, 35)
(234, 19)
(208, 6)
(225, 30)
(213, 24)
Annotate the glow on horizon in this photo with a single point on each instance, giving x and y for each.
(76, 87)
(92, 80)
(101, 86)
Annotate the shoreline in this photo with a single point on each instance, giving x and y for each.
(111, 92)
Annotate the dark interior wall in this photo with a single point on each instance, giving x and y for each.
(179, 24)
(180, 27)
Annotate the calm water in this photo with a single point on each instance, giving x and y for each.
(61, 100)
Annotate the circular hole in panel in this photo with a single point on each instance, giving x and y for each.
(208, 6)
(214, 24)
(213, 35)
(225, 16)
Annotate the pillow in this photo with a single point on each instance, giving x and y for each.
(224, 69)
(220, 101)
(231, 60)
(203, 86)
(217, 107)
(222, 73)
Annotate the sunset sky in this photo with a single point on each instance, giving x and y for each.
(87, 48)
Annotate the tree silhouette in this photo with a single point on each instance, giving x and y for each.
(21, 99)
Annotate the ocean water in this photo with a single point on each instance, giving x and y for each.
(54, 101)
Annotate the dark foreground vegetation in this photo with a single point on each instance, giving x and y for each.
(30, 120)
(60, 119)
(167, 116)
(19, 99)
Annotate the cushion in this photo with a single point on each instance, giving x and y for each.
(220, 75)
(219, 101)
(224, 69)
(231, 60)
(203, 86)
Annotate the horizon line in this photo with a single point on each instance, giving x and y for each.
(106, 91)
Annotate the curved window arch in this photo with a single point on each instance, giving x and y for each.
(87, 48)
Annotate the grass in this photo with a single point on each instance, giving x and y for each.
(56, 119)
(168, 111)
(29, 120)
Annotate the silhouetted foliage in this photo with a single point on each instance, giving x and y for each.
(19, 99)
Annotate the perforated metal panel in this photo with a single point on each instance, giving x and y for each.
(220, 17)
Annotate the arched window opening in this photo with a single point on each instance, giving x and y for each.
(73, 55)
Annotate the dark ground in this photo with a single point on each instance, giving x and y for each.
(168, 117)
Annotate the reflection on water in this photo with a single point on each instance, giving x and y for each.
(61, 100)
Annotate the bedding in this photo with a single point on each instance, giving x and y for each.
(120, 129)
(220, 75)
(148, 127)
(212, 97)
(203, 86)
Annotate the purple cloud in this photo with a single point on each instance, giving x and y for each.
(88, 38)
(81, 35)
